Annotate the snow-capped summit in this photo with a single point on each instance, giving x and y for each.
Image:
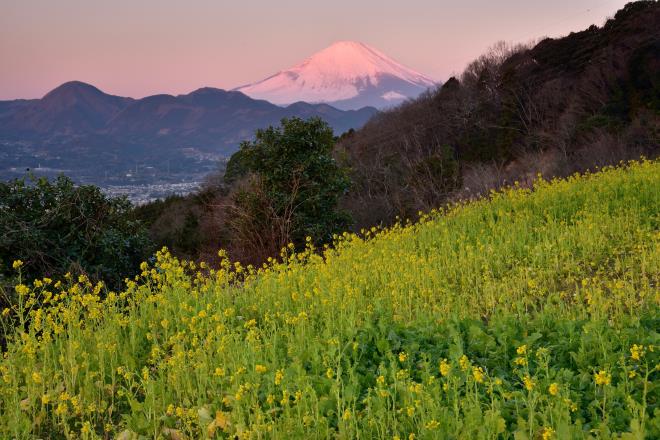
(347, 75)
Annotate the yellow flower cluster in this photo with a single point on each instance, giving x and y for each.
(602, 378)
(445, 368)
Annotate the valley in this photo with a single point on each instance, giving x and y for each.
(142, 178)
(160, 140)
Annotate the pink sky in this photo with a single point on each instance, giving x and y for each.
(142, 47)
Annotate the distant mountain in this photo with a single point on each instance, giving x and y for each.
(347, 75)
(73, 107)
(215, 118)
(7, 108)
(85, 132)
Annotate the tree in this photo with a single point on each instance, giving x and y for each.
(290, 183)
(56, 227)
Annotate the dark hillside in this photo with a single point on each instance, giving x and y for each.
(588, 99)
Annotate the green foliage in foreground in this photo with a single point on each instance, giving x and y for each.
(56, 226)
(533, 315)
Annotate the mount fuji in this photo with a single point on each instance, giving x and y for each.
(347, 75)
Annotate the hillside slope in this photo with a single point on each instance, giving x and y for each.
(591, 98)
(532, 314)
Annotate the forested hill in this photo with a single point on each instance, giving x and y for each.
(563, 105)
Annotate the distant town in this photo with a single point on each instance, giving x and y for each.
(140, 183)
(145, 193)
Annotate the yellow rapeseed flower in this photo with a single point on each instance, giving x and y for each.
(445, 368)
(637, 352)
(279, 375)
(17, 264)
(548, 433)
(529, 383)
(553, 389)
(478, 374)
(403, 356)
(522, 350)
(433, 424)
(464, 362)
(522, 361)
(261, 369)
(61, 409)
(602, 378)
(22, 289)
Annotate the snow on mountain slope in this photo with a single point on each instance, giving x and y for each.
(347, 75)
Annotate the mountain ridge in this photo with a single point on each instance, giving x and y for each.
(72, 107)
(76, 124)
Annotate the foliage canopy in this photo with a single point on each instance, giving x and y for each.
(56, 227)
(297, 175)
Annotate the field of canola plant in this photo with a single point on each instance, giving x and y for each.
(532, 314)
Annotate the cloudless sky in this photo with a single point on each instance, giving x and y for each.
(142, 47)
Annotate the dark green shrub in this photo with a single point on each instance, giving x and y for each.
(299, 181)
(56, 227)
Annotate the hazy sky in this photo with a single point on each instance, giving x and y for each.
(142, 47)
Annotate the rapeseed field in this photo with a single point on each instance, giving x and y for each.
(532, 314)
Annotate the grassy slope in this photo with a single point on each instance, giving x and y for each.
(533, 299)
